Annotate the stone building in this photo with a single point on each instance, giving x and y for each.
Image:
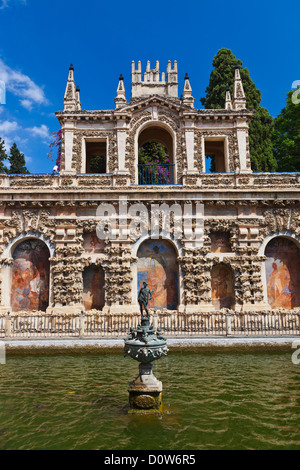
(203, 239)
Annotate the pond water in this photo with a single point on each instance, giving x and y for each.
(216, 400)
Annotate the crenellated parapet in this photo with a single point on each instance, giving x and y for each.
(152, 82)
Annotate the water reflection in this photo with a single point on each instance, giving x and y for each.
(211, 401)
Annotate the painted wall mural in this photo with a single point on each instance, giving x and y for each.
(283, 273)
(93, 288)
(157, 264)
(92, 244)
(222, 291)
(30, 276)
(220, 242)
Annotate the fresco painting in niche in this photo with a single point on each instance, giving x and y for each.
(222, 287)
(93, 288)
(283, 273)
(92, 244)
(30, 276)
(220, 242)
(157, 264)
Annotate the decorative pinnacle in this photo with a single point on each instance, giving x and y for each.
(237, 66)
(121, 77)
(77, 88)
(71, 67)
(186, 76)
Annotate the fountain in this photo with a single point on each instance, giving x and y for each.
(145, 344)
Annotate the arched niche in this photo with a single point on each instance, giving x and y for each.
(30, 276)
(222, 288)
(282, 268)
(157, 264)
(93, 288)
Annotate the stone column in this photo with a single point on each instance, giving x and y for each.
(196, 277)
(66, 271)
(121, 143)
(5, 285)
(118, 277)
(68, 138)
(242, 139)
(190, 147)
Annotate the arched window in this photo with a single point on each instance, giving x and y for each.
(222, 291)
(93, 288)
(283, 273)
(30, 276)
(157, 265)
(155, 157)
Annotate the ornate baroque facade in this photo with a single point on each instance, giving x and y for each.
(248, 256)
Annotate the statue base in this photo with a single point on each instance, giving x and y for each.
(145, 392)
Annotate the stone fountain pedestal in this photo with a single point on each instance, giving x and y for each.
(145, 344)
(145, 392)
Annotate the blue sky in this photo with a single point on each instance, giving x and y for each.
(40, 38)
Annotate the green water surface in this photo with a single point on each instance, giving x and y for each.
(211, 401)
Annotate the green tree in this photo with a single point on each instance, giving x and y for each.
(260, 127)
(286, 136)
(156, 156)
(17, 161)
(153, 152)
(3, 156)
(260, 140)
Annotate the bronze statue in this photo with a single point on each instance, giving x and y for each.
(144, 296)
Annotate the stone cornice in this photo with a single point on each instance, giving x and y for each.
(125, 112)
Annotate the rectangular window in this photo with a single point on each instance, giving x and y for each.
(215, 156)
(96, 156)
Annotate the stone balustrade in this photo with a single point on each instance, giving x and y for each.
(171, 323)
(203, 181)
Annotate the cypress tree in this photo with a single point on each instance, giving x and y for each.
(286, 135)
(3, 156)
(17, 161)
(261, 125)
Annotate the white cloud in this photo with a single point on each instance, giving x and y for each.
(7, 143)
(10, 132)
(42, 131)
(7, 127)
(27, 104)
(13, 129)
(6, 3)
(21, 85)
